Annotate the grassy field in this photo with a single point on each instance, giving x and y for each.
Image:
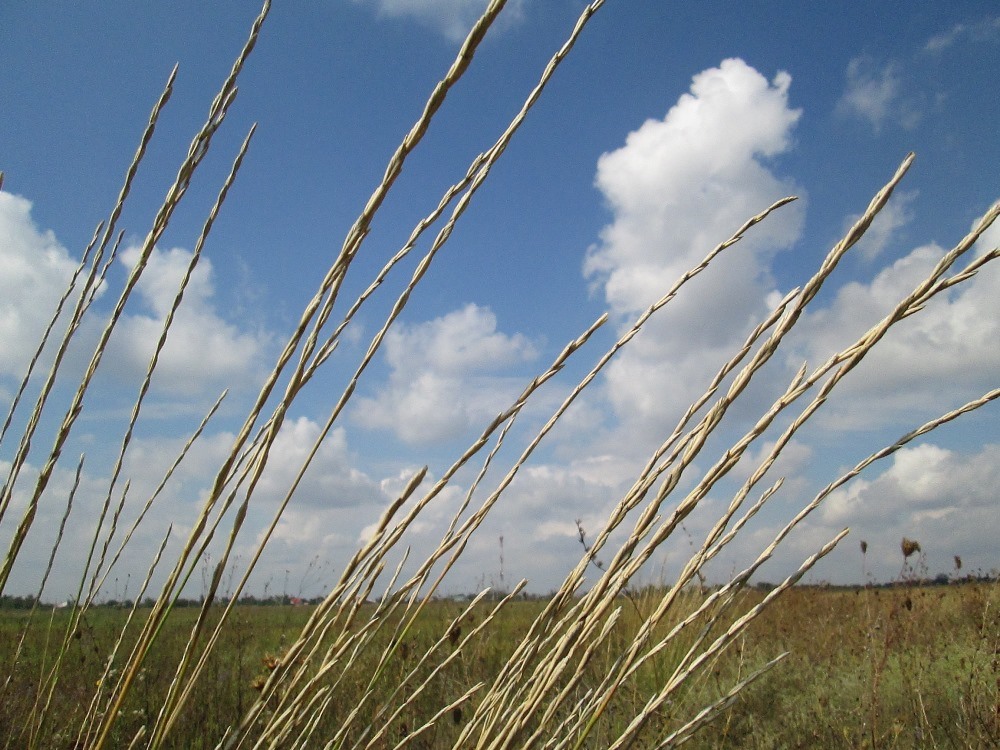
(901, 667)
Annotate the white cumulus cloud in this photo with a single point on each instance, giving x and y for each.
(34, 272)
(204, 350)
(947, 351)
(942, 498)
(677, 188)
(445, 376)
(331, 480)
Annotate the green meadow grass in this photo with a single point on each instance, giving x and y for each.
(902, 667)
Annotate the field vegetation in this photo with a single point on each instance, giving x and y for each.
(382, 661)
(909, 665)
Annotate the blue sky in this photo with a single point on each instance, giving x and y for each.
(666, 127)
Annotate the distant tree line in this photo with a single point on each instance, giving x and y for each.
(941, 579)
(14, 602)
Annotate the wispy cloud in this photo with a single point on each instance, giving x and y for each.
(985, 30)
(452, 18)
(896, 215)
(874, 93)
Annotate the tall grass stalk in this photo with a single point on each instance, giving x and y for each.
(545, 694)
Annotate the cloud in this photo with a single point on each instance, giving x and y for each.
(875, 94)
(536, 518)
(678, 187)
(34, 272)
(453, 18)
(947, 351)
(204, 352)
(985, 30)
(331, 506)
(331, 480)
(942, 498)
(148, 458)
(941, 42)
(445, 376)
(332, 503)
(793, 459)
(894, 216)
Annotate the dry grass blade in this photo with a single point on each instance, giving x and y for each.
(87, 726)
(517, 702)
(189, 443)
(43, 341)
(82, 304)
(475, 176)
(713, 710)
(691, 666)
(329, 290)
